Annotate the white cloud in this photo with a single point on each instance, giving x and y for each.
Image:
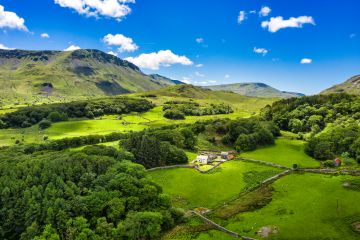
(241, 17)
(44, 35)
(154, 60)
(227, 76)
(112, 53)
(212, 81)
(125, 44)
(199, 65)
(277, 23)
(199, 40)
(11, 20)
(2, 46)
(72, 48)
(117, 9)
(186, 80)
(265, 11)
(198, 74)
(306, 61)
(262, 51)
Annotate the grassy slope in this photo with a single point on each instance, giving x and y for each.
(20, 77)
(351, 86)
(243, 106)
(190, 189)
(303, 207)
(254, 90)
(285, 152)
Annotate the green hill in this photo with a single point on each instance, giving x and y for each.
(165, 80)
(33, 76)
(351, 86)
(206, 96)
(254, 90)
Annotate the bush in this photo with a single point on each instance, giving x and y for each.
(174, 114)
(44, 124)
(329, 164)
(57, 117)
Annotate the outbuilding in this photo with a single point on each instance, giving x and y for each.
(337, 162)
(202, 159)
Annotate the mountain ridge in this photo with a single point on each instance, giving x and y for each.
(254, 89)
(351, 86)
(30, 76)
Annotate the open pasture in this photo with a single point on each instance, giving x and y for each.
(284, 152)
(189, 188)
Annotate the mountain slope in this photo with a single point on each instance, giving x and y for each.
(29, 76)
(165, 80)
(254, 90)
(351, 86)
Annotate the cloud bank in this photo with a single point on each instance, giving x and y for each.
(155, 60)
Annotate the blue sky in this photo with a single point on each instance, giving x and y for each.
(209, 42)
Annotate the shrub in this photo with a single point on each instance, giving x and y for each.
(44, 124)
(174, 114)
(57, 117)
(329, 163)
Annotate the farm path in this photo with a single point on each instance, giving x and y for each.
(219, 227)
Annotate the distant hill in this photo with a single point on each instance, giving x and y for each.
(185, 92)
(165, 80)
(351, 86)
(254, 90)
(29, 76)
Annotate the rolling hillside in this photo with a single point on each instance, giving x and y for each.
(32, 76)
(206, 96)
(254, 90)
(351, 86)
(165, 80)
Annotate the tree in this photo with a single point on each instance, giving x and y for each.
(295, 125)
(44, 124)
(174, 114)
(57, 117)
(143, 225)
(190, 140)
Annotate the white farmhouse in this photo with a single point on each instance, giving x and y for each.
(202, 159)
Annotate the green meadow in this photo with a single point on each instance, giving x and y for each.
(243, 107)
(190, 189)
(284, 152)
(303, 206)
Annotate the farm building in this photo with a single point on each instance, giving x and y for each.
(226, 156)
(202, 159)
(337, 162)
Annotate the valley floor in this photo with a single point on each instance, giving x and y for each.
(296, 206)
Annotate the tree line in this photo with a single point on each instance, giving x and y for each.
(162, 147)
(241, 134)
(329, 123)
(181, 109)
(46, 114)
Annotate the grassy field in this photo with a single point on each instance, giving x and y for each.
(305, 206)
(105, 125)
(242, 106)
(190, 189)
(285, 152)
(88, 127)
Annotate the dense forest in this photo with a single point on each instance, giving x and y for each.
(181, 109)
(160, 147)
(330, 123)
(46, 114)
(241, 134)
(96, 193)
